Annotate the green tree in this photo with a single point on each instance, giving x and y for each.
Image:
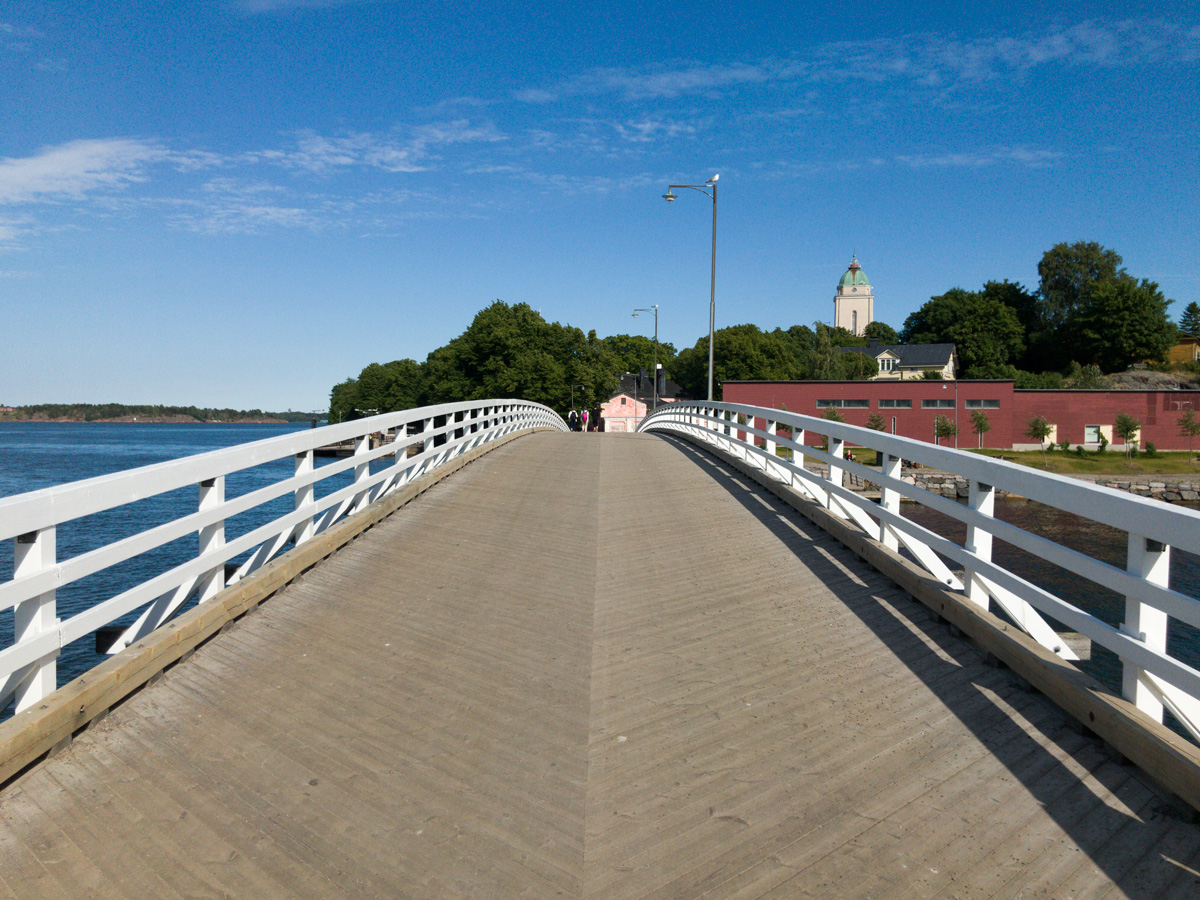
(875, 422)
(943, 427)
(1068, 272)
(1038, 429)
(825, 356)
(1027, 307)
(882, 332)
(1189, 427)
(830, 363)
(1189, 322)
(1120, 323)
(742, 353)
(986, 332)
(511, 351)
(1127, 428)
(343, 401)
(633, 352)
(980, 424)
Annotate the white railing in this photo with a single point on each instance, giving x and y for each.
(433, 435)
(1151, 678)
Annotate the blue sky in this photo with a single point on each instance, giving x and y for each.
(241, 203)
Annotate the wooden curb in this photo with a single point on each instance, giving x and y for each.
(31, 734)
(1171, 760)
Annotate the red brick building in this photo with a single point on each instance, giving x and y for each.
(909, 408)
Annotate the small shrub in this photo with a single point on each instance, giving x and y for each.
(1103, 448)
(1064, 446)
(1151, 450)
(1079, 450)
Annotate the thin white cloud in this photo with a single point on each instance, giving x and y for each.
(979, 159)
(934, 61)
(647, 130)
(76, 169)
(392, 153)
(256, 7)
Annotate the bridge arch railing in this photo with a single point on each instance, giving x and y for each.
(1152, 678)
(417, 442)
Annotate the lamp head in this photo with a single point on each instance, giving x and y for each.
(668, 196)
(713, 180)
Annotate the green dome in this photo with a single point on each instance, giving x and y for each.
(854, 274)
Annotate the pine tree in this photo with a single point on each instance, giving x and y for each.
(1189, 322)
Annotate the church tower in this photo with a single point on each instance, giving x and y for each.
(854, 304)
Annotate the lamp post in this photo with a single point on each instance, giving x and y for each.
(712, 296)
(654, 375)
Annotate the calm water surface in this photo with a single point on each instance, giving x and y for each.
(41, 455)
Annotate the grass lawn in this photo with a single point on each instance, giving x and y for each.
(1070, 463)
(1108, 463)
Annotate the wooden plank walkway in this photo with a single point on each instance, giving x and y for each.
(593, 666)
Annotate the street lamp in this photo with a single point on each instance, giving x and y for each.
(712, 297)
(653, 309)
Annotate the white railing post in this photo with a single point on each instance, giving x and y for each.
(889, 498)
(212, 537)
(981, 498)
(33, 553)
(305, 495)
(362, 446)
(769, 445)
(837, 475)
(1151, 561)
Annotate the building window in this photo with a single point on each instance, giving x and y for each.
(982, 404)
(854, 323)
(893, 424)
(1091, 434)
(844, 404)
(948, 403)
(895, 404)
(622, 401)
(887, 364)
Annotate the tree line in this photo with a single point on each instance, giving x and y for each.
(94, 412)
(511, 351)
(1087, 314)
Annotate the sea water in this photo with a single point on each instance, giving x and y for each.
(39, 455)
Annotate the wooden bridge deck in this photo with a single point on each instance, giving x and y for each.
(589, 666)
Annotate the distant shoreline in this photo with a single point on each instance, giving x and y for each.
(138, 420)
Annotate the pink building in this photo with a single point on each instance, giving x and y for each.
(622, 413)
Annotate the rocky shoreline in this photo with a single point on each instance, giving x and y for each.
(1169, 489)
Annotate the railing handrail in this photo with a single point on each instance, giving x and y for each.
(1152, 679)
(38, 509)
(28, 668)
(1177, 526)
